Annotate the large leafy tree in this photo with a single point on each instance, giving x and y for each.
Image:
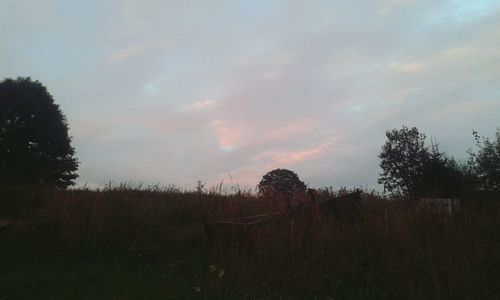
(282, 183)
(34, 144)
(403, 158)
(412, 169)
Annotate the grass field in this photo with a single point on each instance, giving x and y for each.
(125, 243)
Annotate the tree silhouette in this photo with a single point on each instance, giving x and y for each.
(402, 160)
(442, 176)
(34, 144)
(412, 169)
(486, 162)
(282, 183)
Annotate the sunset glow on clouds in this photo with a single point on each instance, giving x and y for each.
(180, 91)
(228, 136)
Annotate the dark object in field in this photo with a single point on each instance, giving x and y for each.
(443, 206)
(4, 224)
(345, 206)
(14, 224)
(235, 231)
(243, 232)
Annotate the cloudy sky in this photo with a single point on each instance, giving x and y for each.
(173, 92)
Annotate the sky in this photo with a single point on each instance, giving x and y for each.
(172, 92)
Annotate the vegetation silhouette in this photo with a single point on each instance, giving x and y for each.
(132, 242)
(443, 176)
(35, 148)
(486, 162)
(402, 160)
(281, 183)
(412, 169)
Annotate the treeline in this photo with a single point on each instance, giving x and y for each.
(412, 168)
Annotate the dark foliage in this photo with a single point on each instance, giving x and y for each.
(402, 160)
(282, 183)
(443, 176)
(34, 144)
(486, 162)
(412, 169)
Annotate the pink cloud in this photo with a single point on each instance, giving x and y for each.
(228, 136)
(231, 135)
(298, 156)
(280, 158)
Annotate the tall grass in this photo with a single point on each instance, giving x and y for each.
(144, 243)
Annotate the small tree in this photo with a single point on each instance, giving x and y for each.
(34, 144)
(402, 161)
(282, 183)
(486, 162)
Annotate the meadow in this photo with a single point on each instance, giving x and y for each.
(151, 243)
